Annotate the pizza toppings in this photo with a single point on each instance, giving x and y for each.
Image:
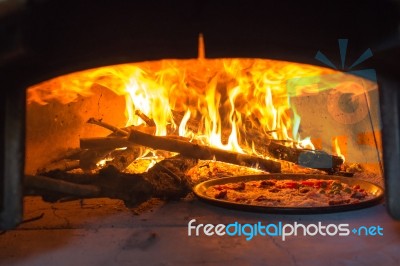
(274, 190)
(304, 190)
(290, 193)
(221, 194)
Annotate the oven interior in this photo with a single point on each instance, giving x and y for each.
(222, 83)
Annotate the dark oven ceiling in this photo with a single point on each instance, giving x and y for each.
(48, 38)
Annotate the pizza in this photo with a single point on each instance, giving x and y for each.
(290, 193)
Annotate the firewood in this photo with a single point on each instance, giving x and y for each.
(133, 189)
(123, 158)
(120, 132)
(110, 143)
(166, 180)
(169, 178)
(185, 148)
(264, 144)
(105, 143)
(60, 186)
(315, 159)
(145, 118)
(61, 165)
(90, 158)
(203, 152)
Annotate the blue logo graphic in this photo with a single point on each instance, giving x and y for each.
(364, 73)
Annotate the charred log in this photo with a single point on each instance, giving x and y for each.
(315, 159)
(123, 158)
(61, 186)
(264, 144)
(165, 180)
(61, 165)
(90, 158)
(104, 143)
(197, 151)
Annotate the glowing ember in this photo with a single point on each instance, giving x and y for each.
(103, 162)
(225, 97)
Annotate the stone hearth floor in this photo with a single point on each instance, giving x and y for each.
(105, 232)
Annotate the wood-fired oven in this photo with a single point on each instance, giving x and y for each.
(199, 67)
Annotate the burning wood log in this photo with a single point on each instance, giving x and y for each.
(90, 158)
(123, 158)
(95, 149)
(145, 118)
(124, 132)
(264, 144)
(104, 143)
(121, 132)
(185, 148)
(203, 152)
(315, 159)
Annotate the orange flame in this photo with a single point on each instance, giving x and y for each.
(225, 97)
(337, 148)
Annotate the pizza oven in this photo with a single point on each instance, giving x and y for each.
(128, 103)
